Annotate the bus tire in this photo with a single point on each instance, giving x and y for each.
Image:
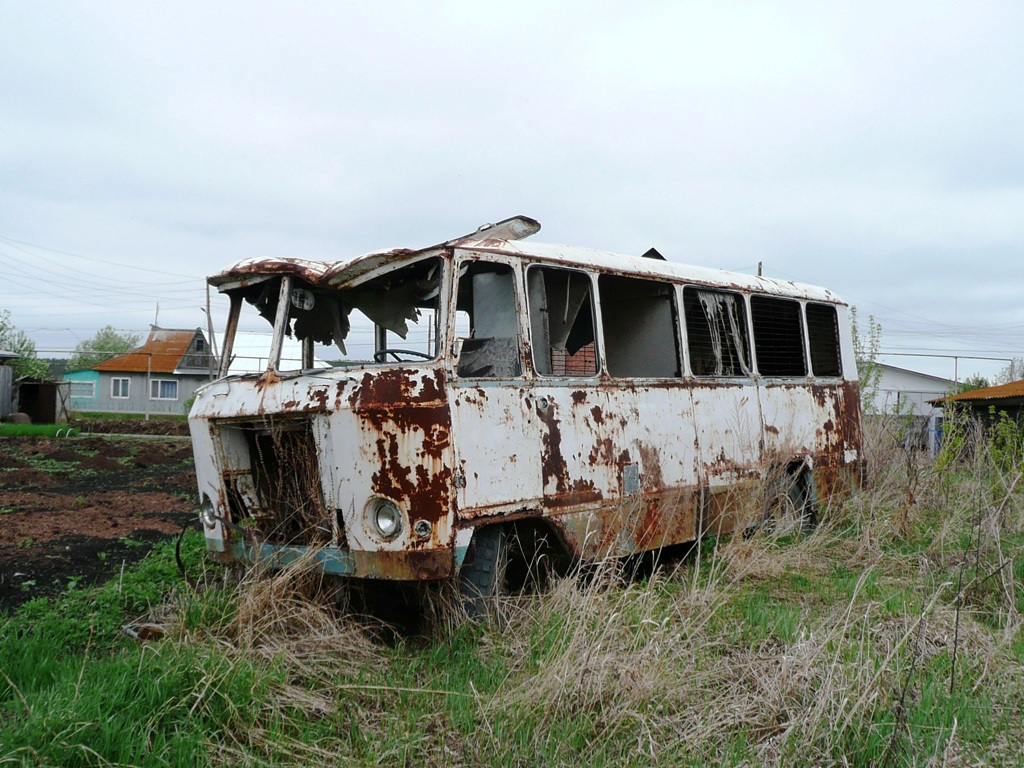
(482, 577)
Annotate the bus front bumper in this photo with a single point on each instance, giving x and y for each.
(408, 565)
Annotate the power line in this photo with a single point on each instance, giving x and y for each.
(11, 240)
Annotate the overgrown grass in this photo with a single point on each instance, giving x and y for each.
(37, 430)
(889, 637)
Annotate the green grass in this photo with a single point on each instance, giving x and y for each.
(595, 673)
(832, 649)
(37, 430)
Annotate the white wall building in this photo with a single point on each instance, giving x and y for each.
(906, 393)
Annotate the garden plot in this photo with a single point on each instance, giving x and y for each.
(75, 510)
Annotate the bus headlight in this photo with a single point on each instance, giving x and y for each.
(207, 513)
(386, 517)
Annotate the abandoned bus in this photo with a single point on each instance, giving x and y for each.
(486, 387)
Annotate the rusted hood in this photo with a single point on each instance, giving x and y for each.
(252, 271)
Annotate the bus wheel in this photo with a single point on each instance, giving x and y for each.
(789, 506)
(482, 577)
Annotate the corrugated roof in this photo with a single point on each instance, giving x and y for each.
(1000, 392)
(161, 353)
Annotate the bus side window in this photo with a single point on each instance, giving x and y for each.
(486, 322)
(638, 320)
(716, 332)
(561, 322)
(823, 334)
(778, 336)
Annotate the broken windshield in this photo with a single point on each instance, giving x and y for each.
(392, 318)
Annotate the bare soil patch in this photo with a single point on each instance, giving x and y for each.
(75, 510)
(129, 426)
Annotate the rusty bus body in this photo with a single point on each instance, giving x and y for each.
(618, 404)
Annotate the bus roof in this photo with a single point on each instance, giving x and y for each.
(505, 238)
(654, 268)
(256, 270)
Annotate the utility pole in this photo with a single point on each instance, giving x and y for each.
(209, 328)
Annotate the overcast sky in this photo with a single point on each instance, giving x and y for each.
(873, 148)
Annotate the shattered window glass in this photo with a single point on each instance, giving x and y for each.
(391, 318)
(716, 331)
(561, 307)
(401, 309)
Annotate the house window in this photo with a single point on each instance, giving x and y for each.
(83, 389)
(200, 344)
(163, 389)
(119, 388)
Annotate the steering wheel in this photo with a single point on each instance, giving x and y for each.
(380, 355)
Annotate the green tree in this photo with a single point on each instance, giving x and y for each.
(1014, 371)
(107, 343)
(866, 347)
(971, 383)
(13, 340)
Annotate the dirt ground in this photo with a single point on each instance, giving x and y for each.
(74, 510)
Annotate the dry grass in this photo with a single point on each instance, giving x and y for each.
(835, 648)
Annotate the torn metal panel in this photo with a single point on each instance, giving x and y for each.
(257, 270)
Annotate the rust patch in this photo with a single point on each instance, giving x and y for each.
(317, 403)
(309, 271)
(668, 517)
(651, 466)
(841, 432)
(723, 465)
(425, 488)
(320, 396)
(625, 527)
(437, 439)
(408, 565)
(397, 387)
(412, 422)
(267, 379)
(603, 452)
(552, 461)
(581, 492)
(432, 386)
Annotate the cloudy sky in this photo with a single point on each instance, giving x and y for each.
(874, 148)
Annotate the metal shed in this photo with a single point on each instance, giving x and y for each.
(6, 383)
(45, 402)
